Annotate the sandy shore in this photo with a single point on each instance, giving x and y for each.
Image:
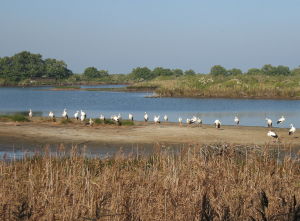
(43, 132)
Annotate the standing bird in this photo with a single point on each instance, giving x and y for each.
(76, 115)
(217, 123)
(30, 114)
(269, 122)
(272, 134)
(292, 130)
(65, 114)
(130, 117)
(146, 117)
(52, 116)
(82, 115)
(281, 120)
(91, 122)
(199, 121)
(102, 117)
(156, 119)
(166, 118)
(236, 120)
(180, 120)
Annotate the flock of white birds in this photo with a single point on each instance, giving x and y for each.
(156, 119)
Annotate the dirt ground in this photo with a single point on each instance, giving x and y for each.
(40, 131)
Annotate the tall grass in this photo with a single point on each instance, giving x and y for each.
(238, 86)
(197, 183)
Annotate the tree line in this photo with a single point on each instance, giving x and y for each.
(26, 65)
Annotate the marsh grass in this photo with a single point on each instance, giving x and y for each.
(196, 183)
(14, 117)
(237, 86)
(66, 121)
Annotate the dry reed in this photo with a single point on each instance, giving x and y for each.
(196, 183)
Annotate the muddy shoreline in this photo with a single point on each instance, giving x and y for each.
(40, 133)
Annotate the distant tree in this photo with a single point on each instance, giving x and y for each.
(142, 73)
(272, 70)
(25, 65)
(283, 70)
(234, 71)
(56, 69)
(177, 72)
(91, 72)
(254, 71)
(218, 70)
(159, 71)
(103, 73)
(189, 72)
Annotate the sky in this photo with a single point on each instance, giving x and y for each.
(118, 35)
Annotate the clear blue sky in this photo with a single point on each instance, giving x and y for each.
(118, 35)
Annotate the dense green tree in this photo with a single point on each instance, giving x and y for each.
(25, 65)
(159, 71)
(283, 70)
(218, 70)
(254, 71)
(177, 72)
(189, 72)
(235, 71)
(91, 72)
(56, 69)
(142, 73)
(272, 70)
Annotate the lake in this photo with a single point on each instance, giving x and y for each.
(250, 111)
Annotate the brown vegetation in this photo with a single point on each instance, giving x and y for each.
(196, 183)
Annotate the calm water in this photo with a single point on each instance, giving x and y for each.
(251, 112)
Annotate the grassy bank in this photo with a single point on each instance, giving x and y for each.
(198, 183)
(238, 86)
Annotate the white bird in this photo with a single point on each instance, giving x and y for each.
(76, 115)
(189, 121)
(30, 113)
(116, 118)
(82, 115)
(180, 120)
(65, 114)
(166, 117)
(194, 119)
(236, 120)
(292, 129)
(102, 117)
(281, 120)
(269, 122)
(217, 123)
(156, 119)
(130, 117)
(199, 121)
(51, 115)
(146, 117)
(272, 134)
(91, 122)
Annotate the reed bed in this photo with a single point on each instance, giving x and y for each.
(237, 86)
(196, 183)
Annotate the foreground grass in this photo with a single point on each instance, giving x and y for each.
(237, 86)
(197, 183)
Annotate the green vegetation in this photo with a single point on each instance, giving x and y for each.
(26, 66)
(217, 182)
(14, 117)
(256, 83)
